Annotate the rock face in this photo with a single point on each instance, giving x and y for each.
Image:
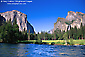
(21, 19)
(73, 19)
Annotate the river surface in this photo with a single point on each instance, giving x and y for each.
(36, 50)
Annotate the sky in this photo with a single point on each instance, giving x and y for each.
(42, 14)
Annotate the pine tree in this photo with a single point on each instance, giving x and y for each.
(34, 35)
(38, 40)
(65, 36)
(29, 35)
(15, 21)
(75, 32)
(54, 34)
(81, 28)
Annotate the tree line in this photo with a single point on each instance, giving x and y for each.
(10, 33)
(73, 33)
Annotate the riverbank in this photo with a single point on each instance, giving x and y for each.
(55, 42)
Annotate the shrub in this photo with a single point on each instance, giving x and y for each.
(81, 43)
(52, 43)
(68, 42)
(58, 42)
(38, 41)
(71, 42)
(44, 43)
(63, 43)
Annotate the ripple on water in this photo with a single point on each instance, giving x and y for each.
(36, 48)
(33, 50)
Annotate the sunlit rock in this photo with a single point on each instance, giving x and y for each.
(72, 19)
(21, 20)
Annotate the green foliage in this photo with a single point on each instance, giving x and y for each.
(15, 22)
(73, 33)
(77, 33)
(73, 21)
(58, 42)
(46, 36)
(39, 40)
(59, 34)
(68, 42)
(52, 43)
(68, 23)
(10, 33)
(55, 35)
(63, 43)
(81, 43)
(71, 42)
(65, 36)
(31, 36)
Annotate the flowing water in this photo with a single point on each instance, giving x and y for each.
(36, 50)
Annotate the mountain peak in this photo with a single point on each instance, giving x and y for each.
(13, 11)
(21, 19)
(72, 19)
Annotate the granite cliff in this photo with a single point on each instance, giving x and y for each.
(73, 19)
(20, 17)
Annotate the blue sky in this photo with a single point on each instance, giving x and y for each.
(42, 14)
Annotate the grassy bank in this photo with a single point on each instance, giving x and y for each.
(0, 40)
(57, 42)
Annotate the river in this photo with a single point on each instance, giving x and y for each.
(36, 50)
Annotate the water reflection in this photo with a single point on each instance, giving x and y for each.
(35, 50)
